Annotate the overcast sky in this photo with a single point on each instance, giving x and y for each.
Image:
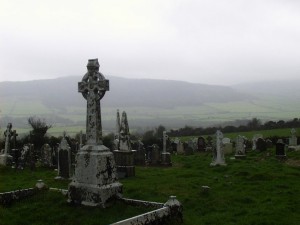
(203, 41)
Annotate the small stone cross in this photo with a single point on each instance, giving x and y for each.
(8, 133)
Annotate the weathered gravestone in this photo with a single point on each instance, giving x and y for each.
(201, 144)
(227, 145)
(280, 149)
(255, 139)
(95, 180)
(261, 145)
(240, 152)
(165, 156)
(188, 147)
(46, 155)
(64, 159)
(293, 138)
(155, 155)
(124, 156)
(24, 157)
(180, 148)
(218, 151)
(140, 154)
(6, 158)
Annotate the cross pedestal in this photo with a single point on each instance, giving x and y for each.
(95, 181)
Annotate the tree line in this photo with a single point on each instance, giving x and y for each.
(253, 124)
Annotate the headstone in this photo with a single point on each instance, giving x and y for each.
(226, 141)
(64, 159)
(124, 156)
(165, 156)
(155, 155)
(261, 145)
(227, 146)
(46, 155)
(269, 143)
(95, 180)
(293, 138)
(218, 151)
(240, 152)
(15, 157)
(254, 140)
(280, 149)
(6, 158)
(180, 148)
(140, 154)
(201, 144)
(24, 157)
(188, 147)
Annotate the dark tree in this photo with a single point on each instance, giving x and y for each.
(38, 132)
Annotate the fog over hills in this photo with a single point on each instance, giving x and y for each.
(148, 102)
(63, 92)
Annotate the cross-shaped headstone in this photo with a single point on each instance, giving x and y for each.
(15, 134)
(8, 133)
(93, 87)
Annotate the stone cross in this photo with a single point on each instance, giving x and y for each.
(165, 137)
(93, 87)
(117, 135)
(15, 134)
(8, 133)
(124, 142)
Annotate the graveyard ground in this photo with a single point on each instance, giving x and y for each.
(258, 190)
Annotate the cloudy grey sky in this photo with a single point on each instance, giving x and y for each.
(203, 41)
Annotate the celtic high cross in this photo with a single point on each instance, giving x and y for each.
(93, 87)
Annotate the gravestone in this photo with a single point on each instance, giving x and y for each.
(254, 140)
(261, 145)
(140, 154)
(180, 148)
(46, 155)
(227, 145)
(240, 152)
(293, 138)
(95, 181)
(165, 156)
(280, 149)
(24, 157)
(64, 159)
(15, 153)
(188, 147)
(124, 156)
(6, 158)
(201, 144)
(155, 155)
(218, 151)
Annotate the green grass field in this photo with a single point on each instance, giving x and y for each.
(259, 190)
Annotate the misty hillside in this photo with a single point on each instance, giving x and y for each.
(284, 88)
(62, 92)
(148, 103)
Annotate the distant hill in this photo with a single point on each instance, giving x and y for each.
(147, 102)
(62, 92)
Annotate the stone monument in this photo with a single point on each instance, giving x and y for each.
(124, 156)
(165, 156)
(240, 152)
(293, 138)
(95, 181)
(280, 149)
(64, 159)
(218, 151)
(6, 158)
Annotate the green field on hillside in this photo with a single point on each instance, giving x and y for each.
(259, 190)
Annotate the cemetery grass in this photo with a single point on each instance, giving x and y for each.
(257, 190)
